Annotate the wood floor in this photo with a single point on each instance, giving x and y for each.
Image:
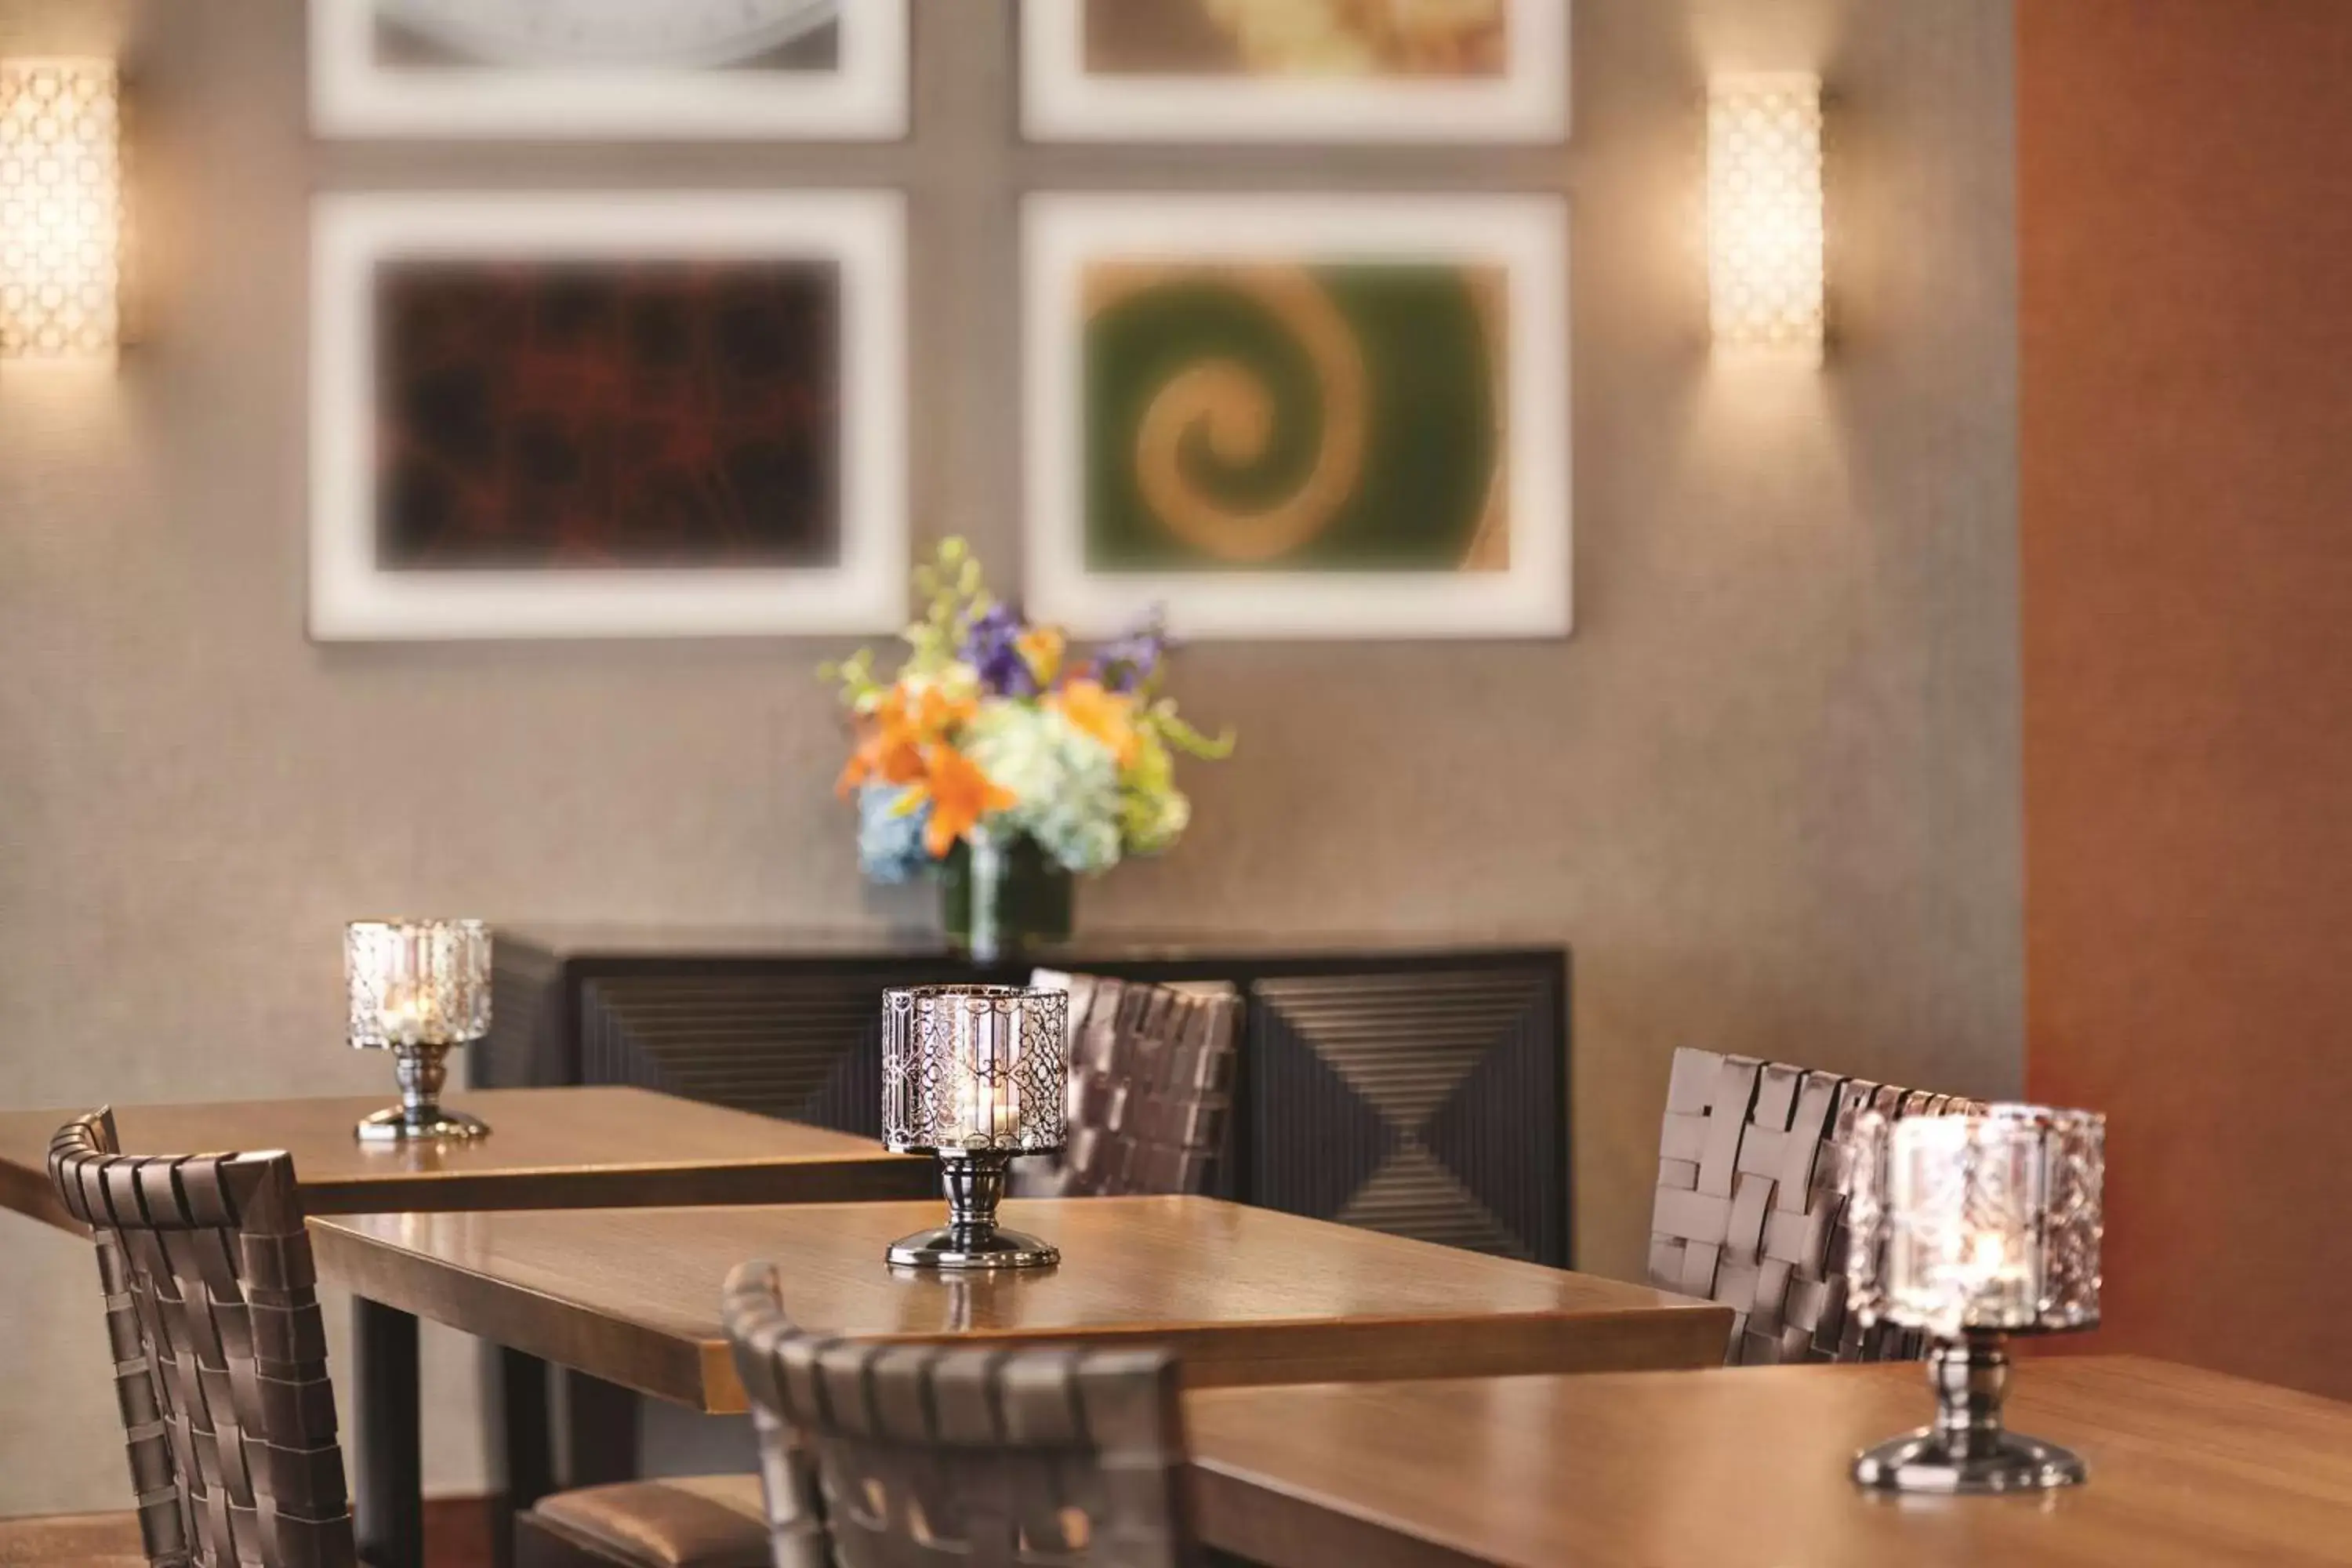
(457, 1533)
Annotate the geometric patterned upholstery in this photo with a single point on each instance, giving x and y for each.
(220, 1356)
(1754, 1168)
(933, 1457)
(1151, 1071)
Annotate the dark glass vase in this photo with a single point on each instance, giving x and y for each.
(997, 901)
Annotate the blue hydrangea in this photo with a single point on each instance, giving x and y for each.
(891, 844)
(1064, 784)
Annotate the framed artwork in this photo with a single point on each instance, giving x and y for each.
(637, 69)
(608, 414)
(1279, 415)
(1295, 71)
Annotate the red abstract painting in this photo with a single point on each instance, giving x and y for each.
(594, 415)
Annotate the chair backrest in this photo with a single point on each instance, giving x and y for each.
(931, 1456)
(220, 1355)
(1754, 1168)
(1151, 1070)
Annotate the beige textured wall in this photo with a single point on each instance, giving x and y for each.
(1768, 792)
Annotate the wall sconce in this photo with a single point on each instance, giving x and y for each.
(60, 209)
(1766, 266)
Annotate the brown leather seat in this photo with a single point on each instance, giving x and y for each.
(80, 1541)
(693, 1521)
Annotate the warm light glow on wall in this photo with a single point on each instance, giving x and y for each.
(1764, 214)
(60, 208)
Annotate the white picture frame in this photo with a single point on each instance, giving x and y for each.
(1527, 235)
(1062, 101)
(354, 598)
(355, 94)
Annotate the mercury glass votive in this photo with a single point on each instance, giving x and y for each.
(417, 988)
(974, 1074)
(1973, 1228)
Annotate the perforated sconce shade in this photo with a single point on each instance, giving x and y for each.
(1765, 222)
(60, 208)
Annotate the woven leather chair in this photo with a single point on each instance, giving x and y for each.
(220, 1363)
(930, 1457)
(1755, 1167)
(1151, 1070)
(915, 1457)
(220, 1355)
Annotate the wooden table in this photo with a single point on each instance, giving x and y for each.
(547, 1148)
(1746, 1468)
(605, 1147)
(1246, 1295)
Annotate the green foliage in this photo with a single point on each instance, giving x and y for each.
(1160, 719)
(955, 594)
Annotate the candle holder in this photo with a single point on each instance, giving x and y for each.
(1973, 1228)
(974, 1074)
(417, 988)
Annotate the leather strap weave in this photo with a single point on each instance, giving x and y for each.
(931, 1456)
(220, 1355)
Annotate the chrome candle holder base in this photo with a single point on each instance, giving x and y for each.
(420, 1117)
(971, 1238)
(1967, 1450)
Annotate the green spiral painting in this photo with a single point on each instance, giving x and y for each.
(1317, 417)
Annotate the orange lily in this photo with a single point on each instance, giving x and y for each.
(896, 733)
(1105, 715)
(959, 793)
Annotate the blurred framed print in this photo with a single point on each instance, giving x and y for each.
(1280, 415)
(1295, 71)
(607, 415)
(637, 69)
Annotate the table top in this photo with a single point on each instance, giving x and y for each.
(1747, 1467)
(1244, 1295)
(547, 1148)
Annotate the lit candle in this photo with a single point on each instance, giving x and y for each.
(406, 1015)
(1987, 1281)
(955, 1062)
(987, 1108)
(417, 988)
(1972, 1228)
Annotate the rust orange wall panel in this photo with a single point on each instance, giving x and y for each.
(2186, 224)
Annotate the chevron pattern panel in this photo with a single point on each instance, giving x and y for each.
(1426, 1104)
(806, 1048)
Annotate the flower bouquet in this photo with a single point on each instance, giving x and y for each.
(1005, 761)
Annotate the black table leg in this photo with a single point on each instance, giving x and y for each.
(523, 1434)
(390, 1503)
(600, 1431)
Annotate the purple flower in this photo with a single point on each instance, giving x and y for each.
(1132, 660)
(993, 647)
